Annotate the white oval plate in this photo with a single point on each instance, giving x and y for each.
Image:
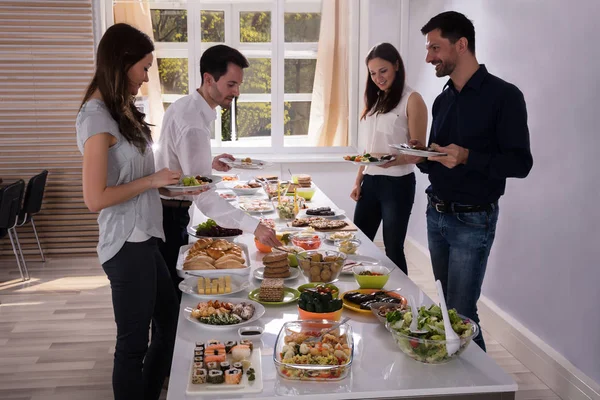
(190, 285)
(415, 152)
(266, 209)
(330, 240)
(259, 273)
(192, 232)
(245, 191)
(180, 188)
(338, 213)
(259, 311)
(237, 163)
(367, 163)
(357, 258)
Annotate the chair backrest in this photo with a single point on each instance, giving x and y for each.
(10, 203)
(34, 194)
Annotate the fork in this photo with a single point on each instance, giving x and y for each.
(333, 327)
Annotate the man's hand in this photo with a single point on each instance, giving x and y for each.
(266, 236)
(456, 155)
(355, 194)
(220, 165)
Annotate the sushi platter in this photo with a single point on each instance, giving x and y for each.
(230, 367)
(229, 313)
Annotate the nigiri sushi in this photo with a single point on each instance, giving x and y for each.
(241, 352)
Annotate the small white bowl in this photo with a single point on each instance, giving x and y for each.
(251, 332)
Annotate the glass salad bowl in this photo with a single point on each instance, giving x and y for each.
(328, 359)
(430, 347)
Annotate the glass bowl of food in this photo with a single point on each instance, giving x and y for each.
(307, 240)
(371, 276)
(275, 188)
(321, 266)
(306, 193)
(347, 246)
(430, 347)
(285, 208)
(298, 358)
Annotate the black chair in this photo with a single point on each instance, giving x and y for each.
(10, 205)
(32, 204)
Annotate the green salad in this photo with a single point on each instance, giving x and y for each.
(422, 346)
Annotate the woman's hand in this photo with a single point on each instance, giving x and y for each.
(219, 165)
(164, 177)
(355, 194)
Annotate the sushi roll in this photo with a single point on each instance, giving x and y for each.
(212, 342)
(199, 376)
(198, 353)
(212, 365)
(200, 345)
(198, 365)
(215, 376)
(241, 352)
(224, 366)
(229, 345)
(238, 365)
(247, 342)
(233, 376)
(199, 360)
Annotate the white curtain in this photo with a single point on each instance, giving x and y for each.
(328, 124)
(137, 14)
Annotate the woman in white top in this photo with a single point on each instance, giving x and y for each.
(394, 114)
(120, 182)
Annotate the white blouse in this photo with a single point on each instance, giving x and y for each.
(386, 129)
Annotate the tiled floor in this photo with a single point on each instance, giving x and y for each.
(57, 333)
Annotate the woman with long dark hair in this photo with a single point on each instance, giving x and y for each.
(393, 114)
(120, 182)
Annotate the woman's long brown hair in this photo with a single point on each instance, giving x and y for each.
(120, 48)
(378, 101)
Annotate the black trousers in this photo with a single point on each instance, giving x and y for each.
(175, 222)
(390, 199)
(142, 291)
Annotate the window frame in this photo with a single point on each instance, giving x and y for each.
(273, 144)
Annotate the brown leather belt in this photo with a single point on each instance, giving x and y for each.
(452, 208)
(176, 203)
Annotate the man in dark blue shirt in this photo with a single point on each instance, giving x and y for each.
(480, 124)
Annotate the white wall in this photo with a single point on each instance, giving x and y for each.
(544, 266)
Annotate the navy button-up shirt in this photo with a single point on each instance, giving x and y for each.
(489, 118)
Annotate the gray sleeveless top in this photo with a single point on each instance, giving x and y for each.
(125, 164)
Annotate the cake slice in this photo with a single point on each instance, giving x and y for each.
(271, 289)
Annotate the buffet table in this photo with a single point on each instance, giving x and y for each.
(379, 369)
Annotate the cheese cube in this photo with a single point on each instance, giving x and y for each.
(221, 285)
(215, 286)
(227, 284)
(201, 285)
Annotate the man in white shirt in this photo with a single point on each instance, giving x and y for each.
(184, 145)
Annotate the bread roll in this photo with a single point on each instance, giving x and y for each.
(197, 265)
(228, 257)
(229, 264)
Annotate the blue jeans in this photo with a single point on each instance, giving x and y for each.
(459, 244)
(387, 198)
(142, 291)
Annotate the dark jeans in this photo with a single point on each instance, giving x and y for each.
(175, 222)
(459, 245)
(390, 199)
(142, 291)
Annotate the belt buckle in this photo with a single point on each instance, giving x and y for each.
(439, 207)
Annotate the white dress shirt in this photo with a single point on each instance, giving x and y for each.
(386, 129)
(184, 145)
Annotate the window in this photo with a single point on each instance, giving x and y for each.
(280, 40)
